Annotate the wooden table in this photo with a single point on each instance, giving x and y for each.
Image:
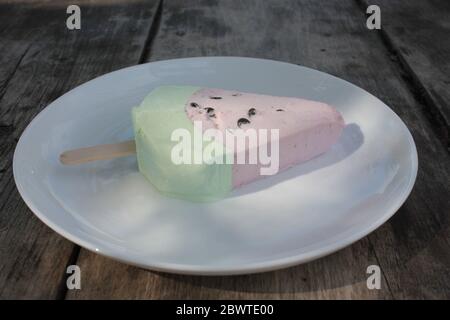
(406, 64)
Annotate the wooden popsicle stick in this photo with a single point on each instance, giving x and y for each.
(99, 152)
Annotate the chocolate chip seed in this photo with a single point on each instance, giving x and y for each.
(215, 98)
(194, 105)
(280, 110)
(210, 112)
(242, 121)
(251, 112)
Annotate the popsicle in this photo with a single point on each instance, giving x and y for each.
(305, 129)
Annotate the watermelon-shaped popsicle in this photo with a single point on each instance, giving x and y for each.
(305, 129)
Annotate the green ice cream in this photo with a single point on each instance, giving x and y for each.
(162, 112)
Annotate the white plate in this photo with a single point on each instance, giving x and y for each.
(299, 215)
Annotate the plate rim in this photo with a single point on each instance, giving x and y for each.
(248, 268)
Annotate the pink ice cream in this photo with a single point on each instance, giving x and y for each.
(306, 128)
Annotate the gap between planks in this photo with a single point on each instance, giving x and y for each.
(145, 54)
(440, 126)
(152, 32)
(13, 72)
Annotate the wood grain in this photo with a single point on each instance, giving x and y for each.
(412, 248)
(13, 49)
(330, 36)
(339, 276)
(418, 34)
(46, 61)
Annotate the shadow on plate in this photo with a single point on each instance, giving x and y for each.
(351, 140)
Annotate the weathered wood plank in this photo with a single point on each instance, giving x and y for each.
(419, 34)
(412, 249)
(33, 258)
(12, 51)
(339, 276)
